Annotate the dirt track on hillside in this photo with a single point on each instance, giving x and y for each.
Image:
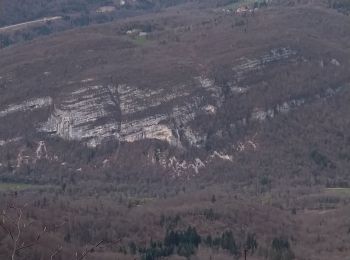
(35, 22)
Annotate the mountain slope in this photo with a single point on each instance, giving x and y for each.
(201, 87)
(185, 117)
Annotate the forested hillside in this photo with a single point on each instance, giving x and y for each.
(174, 130)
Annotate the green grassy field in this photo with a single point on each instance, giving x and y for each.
(338, 191)
(140, 40)
(21, 187)
(240, 3)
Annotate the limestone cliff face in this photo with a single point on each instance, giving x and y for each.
(129, 114)
(176, 113)
(147, 128)
(133, 99)
(246, 65)
(28, 105)
(85, 114)
(95, 112)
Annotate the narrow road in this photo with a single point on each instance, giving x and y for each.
(22, 25)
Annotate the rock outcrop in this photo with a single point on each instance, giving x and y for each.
(129, 114)
(95, 113)
(246, 65)
(86, 114)
(28, 105)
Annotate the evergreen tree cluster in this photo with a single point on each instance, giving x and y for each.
(226, 241)
(260, 4)
(281, 249)
(184, 243)
(339, 4)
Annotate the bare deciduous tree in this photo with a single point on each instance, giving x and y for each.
(15, 227)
